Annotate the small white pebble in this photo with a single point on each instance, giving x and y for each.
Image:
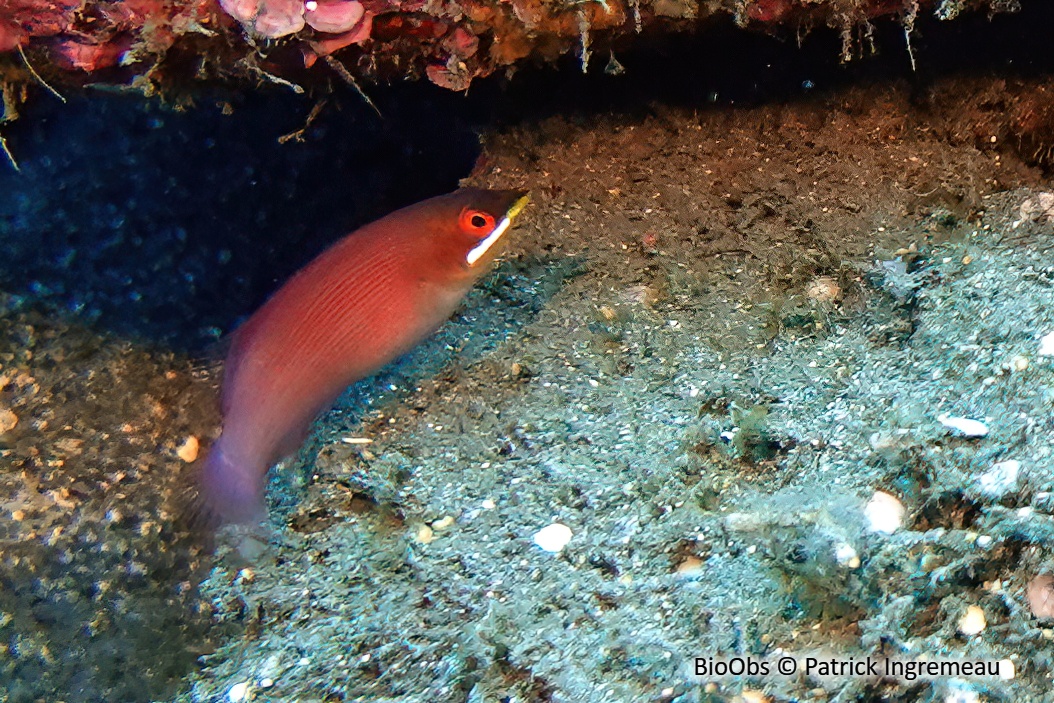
(443, 523)
(1040, 596)
(847, 556)
(1007, 670)
(964, 425)
(239, 692)
(553, 538)
(488, 504)
(884, 513)
(1001, 479)
(1046, 345)
(1019, 363)
(824, 289)
(8, 420)
(691, 566)
(266, 683)
(751, 696)
(960, 692)
(972, 621)
(424, 535)
(188, 451)
(984, 541)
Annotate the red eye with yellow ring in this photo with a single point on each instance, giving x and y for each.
(476, 222)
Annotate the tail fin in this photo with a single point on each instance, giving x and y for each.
(231, 491)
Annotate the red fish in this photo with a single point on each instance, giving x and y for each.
(366, 300)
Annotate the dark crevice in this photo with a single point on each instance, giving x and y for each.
(171, 226)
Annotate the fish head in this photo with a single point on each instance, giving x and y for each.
(475, 222)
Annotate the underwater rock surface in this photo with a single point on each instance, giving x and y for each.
(710, 404)
(155, 45)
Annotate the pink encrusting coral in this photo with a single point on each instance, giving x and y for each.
(268, 18)
(272, 19)
(452, 42)
(241, 10)
(334, 16)
(324, 46)
(73, 55)
(22, 19)
(11, 36)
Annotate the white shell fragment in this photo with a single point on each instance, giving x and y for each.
(1046, 345)
(846, 556)
(553, 538)
(443, 523)
(424, 535)
(691, 566)
(1040, 595)
(972, 621)
(959, 691)
(188, 450)
(964, 425)
(1041, 207)
(238, 692)
(1001, 479)
(884, 513)
(749, 695)
(824, 289)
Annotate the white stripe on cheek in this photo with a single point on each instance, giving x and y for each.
(480, 249)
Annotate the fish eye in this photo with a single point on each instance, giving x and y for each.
(477, 221)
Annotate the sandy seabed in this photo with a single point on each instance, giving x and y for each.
(726, 347)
